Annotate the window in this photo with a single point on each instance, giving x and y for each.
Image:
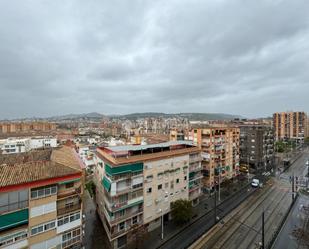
(13, 200)
(70, 238)
(185, 178)
(134, 220)
(43, 192)
(68, 218)
(121, 226)
(149, 190)
(149, 178)
(160, 175)
(166, 185)
(12, 238)
(43, 227)
(172, 184)
(121, 213)
(69, 185)
(159, 186)
(177, 180)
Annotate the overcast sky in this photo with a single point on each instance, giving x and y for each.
(122, 56)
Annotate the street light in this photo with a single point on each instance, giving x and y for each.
(162, 234)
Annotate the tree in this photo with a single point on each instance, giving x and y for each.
(181, 211)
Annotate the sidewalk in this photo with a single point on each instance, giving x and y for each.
(205, 206)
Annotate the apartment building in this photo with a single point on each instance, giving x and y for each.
(40, 200)
(19, 145)
(289, 125)
(220, 153)
(136, 185)
(21, 127)
(257, 146)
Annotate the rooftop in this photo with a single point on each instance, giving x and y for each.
(148, 146)
(37, 165)
(117, 155)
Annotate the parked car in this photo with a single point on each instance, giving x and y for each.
(255, 183)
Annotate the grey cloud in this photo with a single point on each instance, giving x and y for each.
(241, 57)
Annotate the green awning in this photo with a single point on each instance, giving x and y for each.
(73, 180)
(14, 219)
(106, 184)
(134, 167)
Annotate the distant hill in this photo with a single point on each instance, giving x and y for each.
(134, 116)
(190, 116)
(91, 115)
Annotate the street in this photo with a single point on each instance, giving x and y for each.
(243, 227)
(95, 236)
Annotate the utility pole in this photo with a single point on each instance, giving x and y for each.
(263, 231)
(248, 174)
(215, 207)
(293, 188)
(219, 196)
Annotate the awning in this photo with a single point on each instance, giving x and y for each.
(106, 184)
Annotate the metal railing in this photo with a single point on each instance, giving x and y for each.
(68, 209)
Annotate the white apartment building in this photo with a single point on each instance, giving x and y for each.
(20, 145)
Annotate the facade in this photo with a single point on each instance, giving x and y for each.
(289, 125)
(257, 146)
(307, 127)
(220, 153)
(40, 200)
(15, 145)
(20, 145)
(6, 128)
(177, 135)
(137, 183)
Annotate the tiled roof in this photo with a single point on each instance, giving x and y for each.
(61, 162)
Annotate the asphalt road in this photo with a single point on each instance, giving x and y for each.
(243, 229)
(191, 233)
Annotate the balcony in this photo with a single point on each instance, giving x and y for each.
(71, 242)
(68, 209)
(13, 206)
(195, 168)
(71, 192)
(113, 220)
(117, 233)
(14, 219)
(195, 159)
(123, 205)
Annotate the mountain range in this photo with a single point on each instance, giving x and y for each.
(134, 116)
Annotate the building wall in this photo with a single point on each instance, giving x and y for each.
(257, 146)
(289, 125)
(220, 149)
(172, 175)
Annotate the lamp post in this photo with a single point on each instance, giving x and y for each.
(162, 231)
(248, 174)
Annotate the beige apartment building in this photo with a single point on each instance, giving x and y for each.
(41, 200)
(220, 153)
(136, 185)
(23, 127)
(289, 125)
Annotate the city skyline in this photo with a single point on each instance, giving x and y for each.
(237, 57)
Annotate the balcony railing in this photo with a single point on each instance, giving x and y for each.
(125, 230)
(114, 220)
(72, 192)
(13, 207)
(71, 241)
(195, 159)
(115, 206)
(68, 209)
